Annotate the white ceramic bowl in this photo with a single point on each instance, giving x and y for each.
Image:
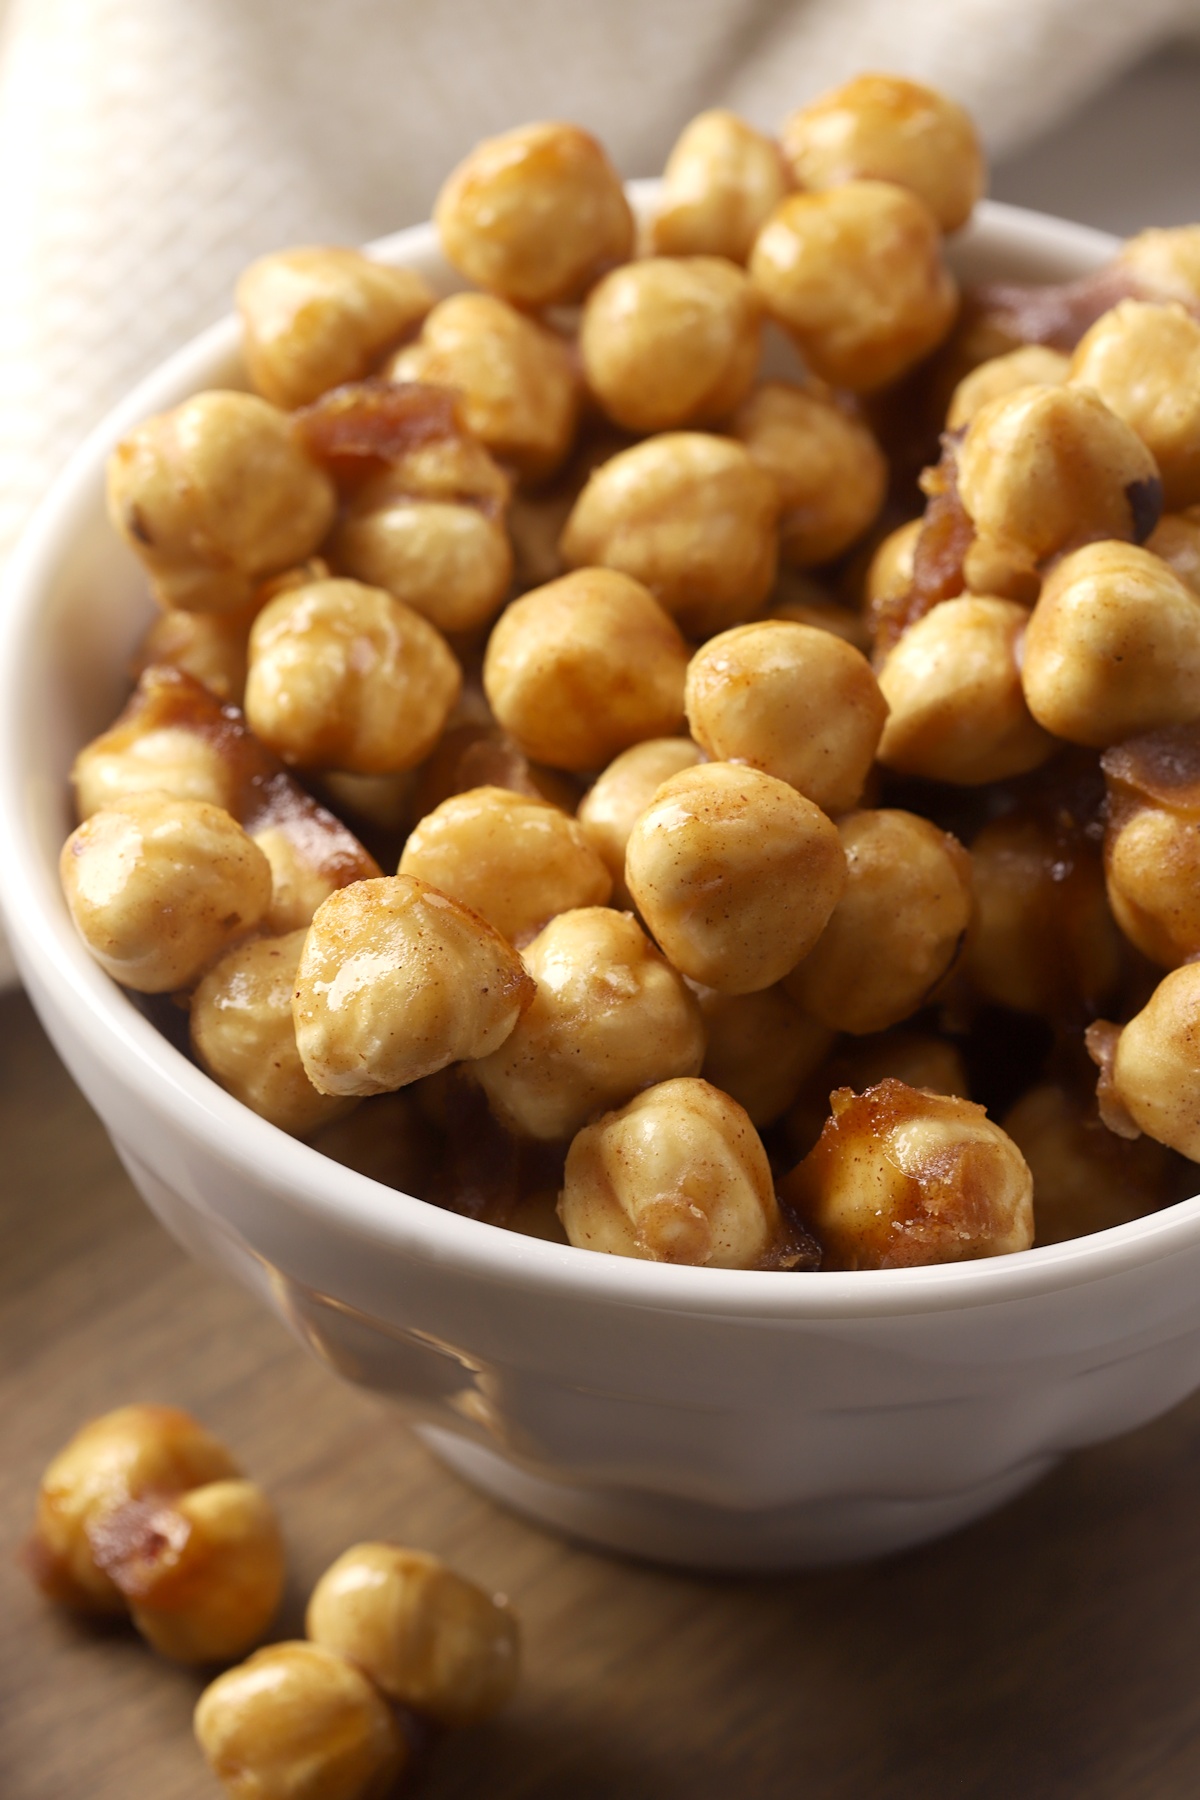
(708, 1417)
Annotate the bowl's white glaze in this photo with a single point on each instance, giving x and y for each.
(709, 1417)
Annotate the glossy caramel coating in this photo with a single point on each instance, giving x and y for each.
(829, 469)
(721, 183)
(902, 1177)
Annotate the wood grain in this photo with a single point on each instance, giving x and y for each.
(1051, 1651)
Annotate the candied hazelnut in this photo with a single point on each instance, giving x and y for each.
(1112, 647)
(1085, 1178)
(896, 928)
(1152, 842)
(1152, 1071)
(761, 1048)
(345, 676)
(1042, 940)
(426, 1637)
(243, 1035)
(679, 1176)
(584, 667)
(317, 316)
(796, 702)
(890, 570)
(167, 759)
(608, 811)
(856, 277)
(299, 1722)
(901, 1177)
(825, 462)
(1144, 362)
(689, 515)
(211, 647)
(202, 1572)
(1041, 471)
(482, 755)
(1176, 538)
(215, 496)
(671, 341)
(722, 181)
(158, 887)
(518, 385)
(956, 708)
(395, 982)
(886, 128)
(513, 858)
(1164, 263)
(298, 884)
(450, 562)
(610, 1017)
(123, 1456)
(1031, 365)
(735, 873)
(535, 215)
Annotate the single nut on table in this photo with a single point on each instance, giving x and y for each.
(610, 1016)
(317, 316)
(426, 1637)
(582, 668)
(956, 708)
(671, 341)
(856, 278)
(884, 128)
(1042, 940)
(896, 928)
(1029, 365)
(616, 800)
(1148, 1075)
(513, 858)
(1113, 647)
(517, 383)
(396, 981)
(1043, 470)
(158, 887)
(1144, 362)
(901, 1177)
(1085, 1177)
(242, 1033)
(689, 515)
(535, 215)
(202, 1572)
(678, 1176)
(831, 474)
(735, 874)
(299, 1722)
(722, 181)
(761, 1048)
(214, 497)
(119, 1458)
(1152, 842)
(345, 676)
(799, 703)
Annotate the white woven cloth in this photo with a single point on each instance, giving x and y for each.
(150, 148)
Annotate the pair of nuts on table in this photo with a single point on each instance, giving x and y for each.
(492, 603)
(144, 1511)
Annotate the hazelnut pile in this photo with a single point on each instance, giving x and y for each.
(144, 1512)
(716, 723)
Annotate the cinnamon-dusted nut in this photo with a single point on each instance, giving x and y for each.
(679, 1175)
(721, 183)
(396, 981)
(831, 473)
(735, 873)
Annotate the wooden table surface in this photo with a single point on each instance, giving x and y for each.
(1053, 1650)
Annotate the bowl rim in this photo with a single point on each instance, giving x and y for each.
(168, 1085)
